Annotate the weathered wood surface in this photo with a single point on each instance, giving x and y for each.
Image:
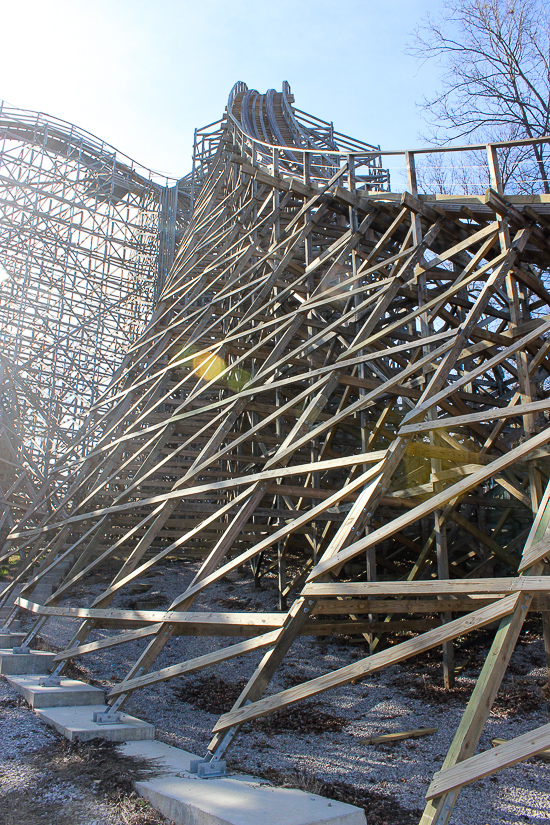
(417, 733)
(398, 653)
(488, 762)
(544, 755)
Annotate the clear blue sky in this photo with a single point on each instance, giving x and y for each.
(143, 74)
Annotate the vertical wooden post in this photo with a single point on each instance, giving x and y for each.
(371, 577)
(281, 575)
(281, 545)
(546, 637)
(515, 303)
(495, 178)
(535, 483)
(307, 167)
(426, 329)
(353, 222)
(351, 186)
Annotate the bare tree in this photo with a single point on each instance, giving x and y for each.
(495, 85)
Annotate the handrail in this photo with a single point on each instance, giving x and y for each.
(501, 144)
(57, 128)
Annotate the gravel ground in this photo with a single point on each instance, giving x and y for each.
(46, 781)
(317, 744)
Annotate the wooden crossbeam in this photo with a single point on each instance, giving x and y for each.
(488, 762)
(398, 653)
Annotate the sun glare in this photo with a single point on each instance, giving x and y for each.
(209, 366)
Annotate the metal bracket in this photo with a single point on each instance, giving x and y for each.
(105, 717)
(50, 681)
(210, 769)
(21, 650)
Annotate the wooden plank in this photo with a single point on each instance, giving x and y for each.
(457, 604)
(417, 733)
(268, 620)
(488, 762)
(544, 755)
(199, 663)
(386, 658)
(536, 553)
(111, 641)
(432, 587)
(486, 415)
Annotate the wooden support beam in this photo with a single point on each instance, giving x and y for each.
(488, 762)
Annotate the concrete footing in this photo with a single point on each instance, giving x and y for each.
(181, 796)
(68, 693)
(76, 723)
(233, 800)
(10, 639)
(16, 664)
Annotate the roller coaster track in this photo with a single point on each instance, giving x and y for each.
(337, 386)
(86, 236)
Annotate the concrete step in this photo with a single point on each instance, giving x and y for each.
(42, 593)
(45, 587)
(77, 723)
(8, 607)
(50, 581)
(187, 799)
(69, 693)
(11, 639)
(17, 664)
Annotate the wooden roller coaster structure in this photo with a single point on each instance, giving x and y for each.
(87, 236)
(344, 384)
